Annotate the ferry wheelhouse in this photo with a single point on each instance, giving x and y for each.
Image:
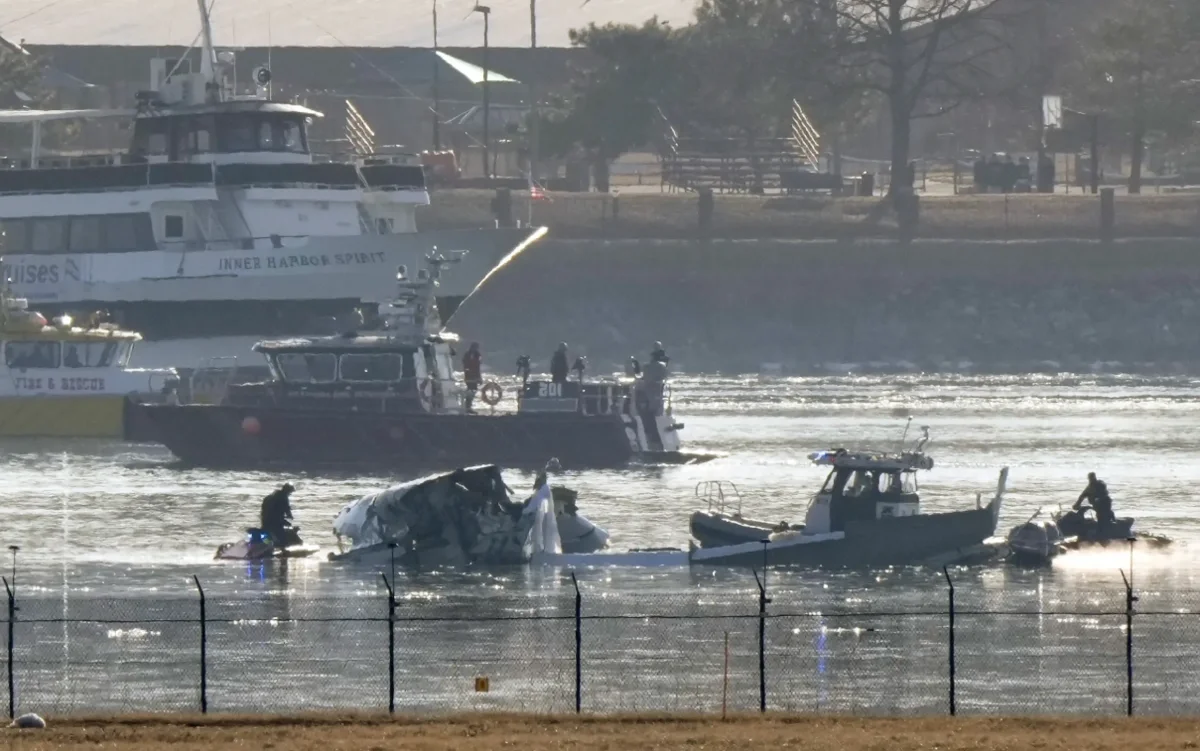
(63, 379)
(219, 219)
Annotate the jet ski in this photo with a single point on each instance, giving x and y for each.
(1084, 527)
(258, 545)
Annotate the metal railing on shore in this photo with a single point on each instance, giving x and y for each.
(569, 648)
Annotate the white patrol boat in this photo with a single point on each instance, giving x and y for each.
(63, 379)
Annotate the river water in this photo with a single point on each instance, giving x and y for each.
(112, 534)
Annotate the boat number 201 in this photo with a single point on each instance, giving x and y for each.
(550, 390)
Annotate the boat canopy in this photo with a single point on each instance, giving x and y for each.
(335, 344)
(879, 460)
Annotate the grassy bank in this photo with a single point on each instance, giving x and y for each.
(486, 733)
(674, 215)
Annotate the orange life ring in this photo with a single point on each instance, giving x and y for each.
(491, 393)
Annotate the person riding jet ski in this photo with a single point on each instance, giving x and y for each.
(1096, 493)
(275, 517)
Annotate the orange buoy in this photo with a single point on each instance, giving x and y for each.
(251, 425)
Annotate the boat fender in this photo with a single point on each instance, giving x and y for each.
(491, 393)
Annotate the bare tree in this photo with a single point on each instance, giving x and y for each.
(1140, 69)
(924, 57)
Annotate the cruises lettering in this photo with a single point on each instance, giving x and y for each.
(307, 260)
(32, 273)
(59, 384)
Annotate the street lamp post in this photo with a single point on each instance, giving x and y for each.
(437, 99)
(487, 167)
(533, 96)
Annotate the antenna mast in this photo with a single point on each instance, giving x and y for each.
(212, 90)
(904, 435)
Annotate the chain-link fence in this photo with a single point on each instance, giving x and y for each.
(959, 650)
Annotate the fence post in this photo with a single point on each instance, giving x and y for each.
(953, 701)
(12, 618)
(763, 601)
(1130, 599)
(203, 647)
(578, 645)
(391, 645)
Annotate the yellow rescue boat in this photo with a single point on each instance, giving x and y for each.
(59, 379)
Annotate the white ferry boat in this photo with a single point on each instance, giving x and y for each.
(60, 379)
(219, 220)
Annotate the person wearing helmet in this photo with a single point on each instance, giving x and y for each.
(275, 517)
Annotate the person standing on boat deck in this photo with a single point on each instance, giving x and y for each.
(472, 364)
(659, 354)
(559, 367)
(1096, 493)
(275, 514)
(654, 378)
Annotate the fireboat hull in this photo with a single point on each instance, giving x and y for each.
(241, 436)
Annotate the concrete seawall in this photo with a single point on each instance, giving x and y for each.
(732, 305)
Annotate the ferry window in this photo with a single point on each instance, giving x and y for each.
(88, 354)
(150, 136)
(310, 368)
(156, 144)
(266, 137)
(173, 226)
(371, 367)
(237, 133)
(23, 355)
(49, 235)
(293, 136)
(120, 232)
(16, 235)
(85, 233)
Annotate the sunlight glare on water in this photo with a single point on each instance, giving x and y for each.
(110, 515)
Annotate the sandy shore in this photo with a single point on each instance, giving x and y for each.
(524, 733)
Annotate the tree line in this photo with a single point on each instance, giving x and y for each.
(734, 71)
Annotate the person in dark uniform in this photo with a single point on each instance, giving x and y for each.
(472, 364)
(276, 514)
(559, 367)
(1096, 493)
(659, 354)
